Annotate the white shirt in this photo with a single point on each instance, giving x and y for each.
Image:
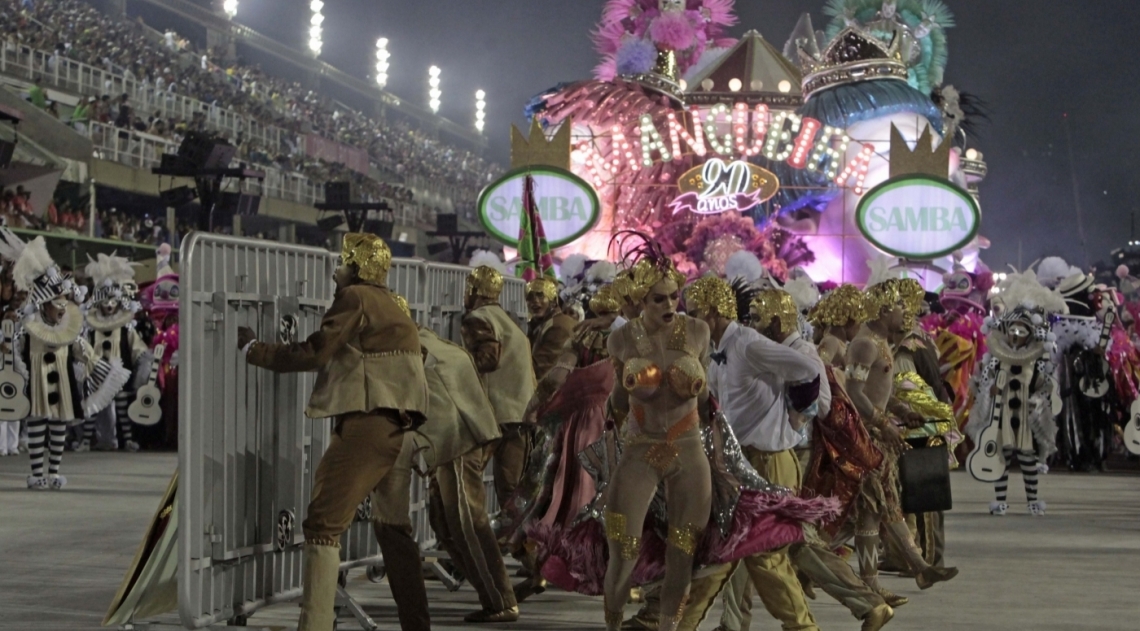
(823, 403)
(751, 386)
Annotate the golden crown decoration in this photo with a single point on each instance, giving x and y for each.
(537, 150)
(853, 55)
(925, 159)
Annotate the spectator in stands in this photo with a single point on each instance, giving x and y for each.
(36, 93)
(81, 115)
(52, 108)
(123, 119)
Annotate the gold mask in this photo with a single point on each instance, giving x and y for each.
(369, 254)
(545, 286)
(771, 304)
(839, 307)
(485, 282)
(645, 275)
(712, 295)
(605, 301)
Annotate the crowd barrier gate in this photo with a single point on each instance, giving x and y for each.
(247, 453)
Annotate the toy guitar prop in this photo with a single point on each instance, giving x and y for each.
(1132, 430)
(1094, 384)
(145, 409)
(14, 402)
(985, 462)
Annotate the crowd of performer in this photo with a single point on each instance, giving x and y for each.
(689, 441)
(678, 441)
(89, 361)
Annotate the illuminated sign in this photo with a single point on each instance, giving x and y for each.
(567, 205)
(918, 217)
(800, 141)
(717, 187)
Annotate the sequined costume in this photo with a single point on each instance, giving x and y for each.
(686, 474)
(570, 406)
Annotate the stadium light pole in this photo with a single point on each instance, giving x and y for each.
(434, 92)
(480, 106)
(230, 7)
(382, 61)
(315, 42)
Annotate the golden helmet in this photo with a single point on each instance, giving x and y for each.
(485, 282)
(605, 301)
(369, 254)
(772, 303)
(711, 293)
(543, 285)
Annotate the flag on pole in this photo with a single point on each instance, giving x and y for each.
(534, 251)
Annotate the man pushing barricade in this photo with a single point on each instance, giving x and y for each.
(456, 441)
(370, 381)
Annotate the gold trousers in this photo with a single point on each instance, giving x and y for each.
(363, 454)
(457, 509)
(392, 524)
(771, 573)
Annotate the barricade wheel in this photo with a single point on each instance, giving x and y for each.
(375, 573)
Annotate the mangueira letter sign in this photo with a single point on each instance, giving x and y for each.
(567, 205)
(918, 217)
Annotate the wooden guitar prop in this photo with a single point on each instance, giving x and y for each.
(985, 462)
(145, 409)
(14, 402)
(1132, 429)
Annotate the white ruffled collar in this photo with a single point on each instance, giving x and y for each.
(63, 333)
(96, 320)
(1009, 355)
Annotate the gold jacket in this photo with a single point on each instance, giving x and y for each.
(550, 338)
(502, 355)
(366, 355)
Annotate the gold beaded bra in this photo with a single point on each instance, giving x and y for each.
(685, 376)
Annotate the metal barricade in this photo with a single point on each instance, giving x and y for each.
(247, 453)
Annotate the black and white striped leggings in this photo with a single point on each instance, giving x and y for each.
(122, 420)
(1027, 460)
(38, 432)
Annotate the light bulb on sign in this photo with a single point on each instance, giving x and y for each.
(734, 84)
(971, 154)
(784, 86)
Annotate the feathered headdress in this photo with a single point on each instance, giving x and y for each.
(35, 272)
(1024, 291)
(746, 265)
(804, 292)
(113, 277)
(1054, 269)
(488, 258)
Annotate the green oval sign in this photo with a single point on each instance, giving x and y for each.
(918, 217)
(567, 205)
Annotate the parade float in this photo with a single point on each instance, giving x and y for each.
(840, 146)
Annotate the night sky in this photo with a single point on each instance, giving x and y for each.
(1032, 61)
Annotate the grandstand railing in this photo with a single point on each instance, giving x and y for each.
(143, 151)
(85, 80)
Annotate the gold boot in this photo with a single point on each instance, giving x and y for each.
(320, 572)
(878, 618)
(931, 575)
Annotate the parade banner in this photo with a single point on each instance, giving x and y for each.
(918, 217)
(567, 205)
